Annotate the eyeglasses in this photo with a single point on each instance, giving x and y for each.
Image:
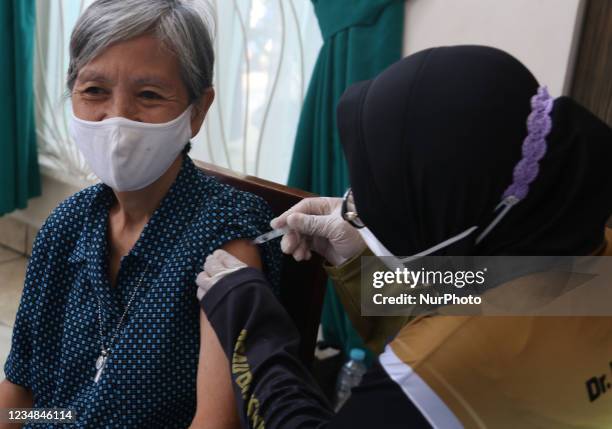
(349, 211)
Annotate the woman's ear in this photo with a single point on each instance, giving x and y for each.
(200, 110)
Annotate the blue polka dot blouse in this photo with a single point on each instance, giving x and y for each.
(149, 380)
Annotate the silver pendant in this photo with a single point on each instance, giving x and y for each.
(100, 364)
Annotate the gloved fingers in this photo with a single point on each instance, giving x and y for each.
(302, 252)
(228, 260)
(213, 265)
(313, 206)
(290, 242)
(204, 282)
(218, 264)
(309, 247)
(313, 225)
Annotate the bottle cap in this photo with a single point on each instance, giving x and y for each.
(357, 354)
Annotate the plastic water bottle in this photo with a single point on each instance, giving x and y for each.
(349, 377)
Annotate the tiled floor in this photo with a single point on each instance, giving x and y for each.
(12, 273)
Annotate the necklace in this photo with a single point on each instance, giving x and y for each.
(105, 351)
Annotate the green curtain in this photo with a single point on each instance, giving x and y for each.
(360, 39)
(19, 174)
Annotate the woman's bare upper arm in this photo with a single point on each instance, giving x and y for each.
(244, 250)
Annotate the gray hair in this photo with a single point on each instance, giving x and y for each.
(178, 24)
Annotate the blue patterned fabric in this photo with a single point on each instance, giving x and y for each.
(150, 377)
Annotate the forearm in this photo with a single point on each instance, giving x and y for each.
(216, 407)
(260, 344)
(14, 396)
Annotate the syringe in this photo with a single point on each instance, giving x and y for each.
(271, 235)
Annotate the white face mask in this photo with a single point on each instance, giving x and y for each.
(129, 155)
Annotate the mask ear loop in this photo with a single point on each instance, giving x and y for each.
(507, 204)
(393, 261)
(440, 246)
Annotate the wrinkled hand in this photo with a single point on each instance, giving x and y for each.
(316, 225)
(218, 265)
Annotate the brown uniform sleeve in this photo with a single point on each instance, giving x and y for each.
(375, 331)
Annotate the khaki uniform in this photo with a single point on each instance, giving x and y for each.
(494, 372)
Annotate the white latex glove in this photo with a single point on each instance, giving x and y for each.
(218, 265)
(316, 225)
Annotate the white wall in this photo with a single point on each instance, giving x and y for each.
(540, 33)
(55, 189)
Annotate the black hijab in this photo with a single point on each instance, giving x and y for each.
(431, 145)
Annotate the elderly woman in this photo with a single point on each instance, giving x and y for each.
(108, 323)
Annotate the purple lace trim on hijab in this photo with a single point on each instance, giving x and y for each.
(539, 125)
